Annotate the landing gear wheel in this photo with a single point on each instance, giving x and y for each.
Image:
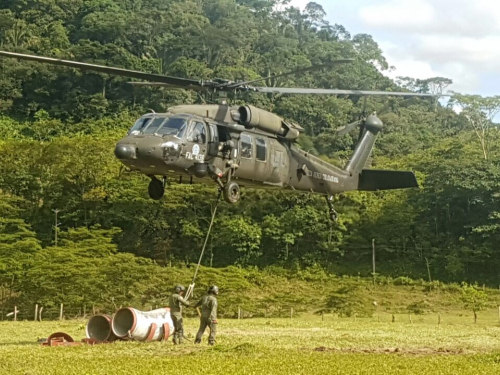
(231, 192)
(156, 189)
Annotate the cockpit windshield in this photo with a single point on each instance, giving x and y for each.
(161, 125)
(173, 126)
(139, 125)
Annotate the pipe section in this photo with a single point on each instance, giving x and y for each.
(99, 328)
(155, 325)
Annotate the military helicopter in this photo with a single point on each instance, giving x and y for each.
(241, 145)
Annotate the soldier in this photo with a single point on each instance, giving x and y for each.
(176, 302)
(208, 315)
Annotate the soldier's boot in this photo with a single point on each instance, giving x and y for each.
(176, 339)
(211, 343)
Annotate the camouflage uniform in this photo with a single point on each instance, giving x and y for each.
(176, 302)
(208, 318)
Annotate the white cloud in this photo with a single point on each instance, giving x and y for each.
(399, 14)
(301, 4)
(423, 38)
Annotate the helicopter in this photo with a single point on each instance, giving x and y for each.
(241, 145)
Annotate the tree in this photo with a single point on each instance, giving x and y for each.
(479, 112)
(473, 299)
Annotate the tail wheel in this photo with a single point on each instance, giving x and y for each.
(232, 192)
(156, 189)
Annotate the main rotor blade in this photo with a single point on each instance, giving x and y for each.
(167, 85)
(349, 127)
(290, 90)
(297, 71)
(180, 82)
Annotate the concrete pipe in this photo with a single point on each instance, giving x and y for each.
(155, 325)
(99, 328)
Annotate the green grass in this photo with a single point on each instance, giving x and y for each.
(304, 345)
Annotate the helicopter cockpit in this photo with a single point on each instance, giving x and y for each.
(159, 143)
(160, 125)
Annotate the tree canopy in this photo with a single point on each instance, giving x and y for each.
(59, 126)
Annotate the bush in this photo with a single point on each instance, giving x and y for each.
(420, 307)
(403, 280)
(350, 300)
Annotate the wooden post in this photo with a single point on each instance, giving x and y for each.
(291, 312)
(439, 319)
(411, 321)
(93, 310)
(323, 315)
(36, 312)
(61, 311)
(378, 318)
(239, 312)
(265, 314)
(373, 259)
(84, 311)
(355, 317)
(498, 314)
(15, 313)
(40, 314)
(393, 318)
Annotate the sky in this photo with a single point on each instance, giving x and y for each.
(456, 39)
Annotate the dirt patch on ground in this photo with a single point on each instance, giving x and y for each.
(412, 352)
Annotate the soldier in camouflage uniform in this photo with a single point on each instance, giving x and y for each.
(208, 316)
(176, 302)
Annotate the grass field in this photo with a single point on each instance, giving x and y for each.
(304, 345)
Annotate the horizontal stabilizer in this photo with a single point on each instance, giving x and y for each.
(371, 179)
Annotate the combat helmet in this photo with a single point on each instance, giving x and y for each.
(179, 288)
(214, 289)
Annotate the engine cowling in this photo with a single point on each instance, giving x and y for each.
(253, 117)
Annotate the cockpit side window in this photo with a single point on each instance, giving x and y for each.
(154, 125)
(198, 133)
(139, 125)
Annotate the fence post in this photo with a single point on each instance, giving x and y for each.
(40, 314)
(291, 312)
(61, 311)
(499, 314)
(411, 321)
(322, 316)
(239, 312)
(15, 313)
(439, 319)
(36, 312)
(393, 318)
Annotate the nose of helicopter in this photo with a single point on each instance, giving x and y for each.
(125, 152)
(146, 150)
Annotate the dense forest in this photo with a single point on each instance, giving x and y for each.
(58, 128)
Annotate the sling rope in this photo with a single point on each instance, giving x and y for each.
(191, 286)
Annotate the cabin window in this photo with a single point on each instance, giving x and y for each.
(246, 146)
(261, 149)
(154, 125)
(198, 133)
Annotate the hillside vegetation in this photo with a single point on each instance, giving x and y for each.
(116, 246)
